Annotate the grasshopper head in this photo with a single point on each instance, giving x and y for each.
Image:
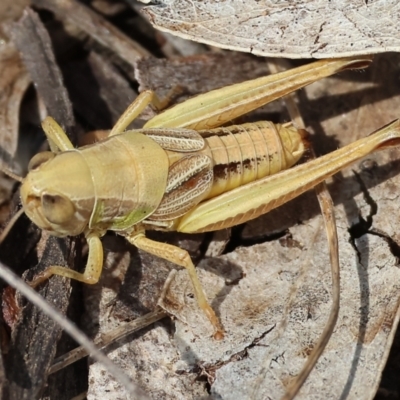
(58, 194)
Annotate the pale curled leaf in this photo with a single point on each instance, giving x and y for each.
(300, 29)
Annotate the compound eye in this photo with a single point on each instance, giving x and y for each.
(57, 209)
(39, 159)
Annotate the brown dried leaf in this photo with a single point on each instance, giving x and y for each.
(93, 24)
(198, 74)
(36, 333)
(34, 44)
(100, 94)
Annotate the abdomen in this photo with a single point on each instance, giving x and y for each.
(247, 152)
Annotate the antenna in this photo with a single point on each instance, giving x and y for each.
(11, 174)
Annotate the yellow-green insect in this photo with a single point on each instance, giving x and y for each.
(180, 172)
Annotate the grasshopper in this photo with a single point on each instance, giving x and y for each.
(182, 171)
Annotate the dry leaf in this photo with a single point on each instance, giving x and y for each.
(34, 44)
(76, 13)
(300, 29)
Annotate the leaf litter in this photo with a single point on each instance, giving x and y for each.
(253, 283)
